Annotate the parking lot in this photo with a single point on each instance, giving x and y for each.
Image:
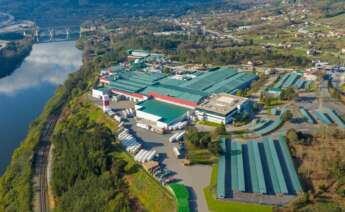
(195, 177)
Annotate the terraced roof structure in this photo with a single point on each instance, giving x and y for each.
(307, 115)
(210, 78)
(237, 81)
(257, 177)
(335, 117)
(168, 112)
(299, 83)
(270, 127)
(221, 80)
(170, 81)
(265, 168)
(274, 167)
(291, 171)
(175, 91)
(281, 81)
(293, 77)
(260, 125)
(221, 171)
(237, 168)
(323, 118)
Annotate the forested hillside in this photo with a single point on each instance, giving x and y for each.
(13, 55)
(85, 175)
(74, 12)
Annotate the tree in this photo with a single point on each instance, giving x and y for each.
(292, 136)
(192, 135)
(221, 130)
(214, 147)
(288, 94)
(287, 115)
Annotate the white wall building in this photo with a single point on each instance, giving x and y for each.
(221, 108)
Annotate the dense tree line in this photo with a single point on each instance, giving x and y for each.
(238, 55)
(206, 140)
(85, 175)
(12, 56)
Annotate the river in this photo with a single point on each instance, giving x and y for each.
(24, 93)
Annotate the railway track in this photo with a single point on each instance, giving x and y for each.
(41, 163)
(43, 178)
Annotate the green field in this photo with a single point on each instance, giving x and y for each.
(151, 194)
(182, 196)
(224, 205)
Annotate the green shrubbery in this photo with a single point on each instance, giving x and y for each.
(85, 175)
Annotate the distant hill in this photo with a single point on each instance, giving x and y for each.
(62, 12)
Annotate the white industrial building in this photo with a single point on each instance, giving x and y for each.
(221, 108)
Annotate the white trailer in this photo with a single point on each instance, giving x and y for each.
(177, 152)
(180, 136)
(143, 158)
(136, 157)
(151, 155)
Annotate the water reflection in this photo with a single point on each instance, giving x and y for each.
(24, 93)
(47, 63)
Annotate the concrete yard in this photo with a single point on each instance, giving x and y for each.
(196, 177)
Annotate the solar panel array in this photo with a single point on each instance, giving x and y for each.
(257, 167)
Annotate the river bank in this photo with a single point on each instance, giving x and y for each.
(15, 184)
(13, 55)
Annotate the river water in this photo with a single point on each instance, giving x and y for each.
(24, 93)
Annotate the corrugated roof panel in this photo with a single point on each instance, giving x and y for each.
(256, 170)
(221, 172)
(289, 164)
(323, 118)
(237, 169)
(276, 172)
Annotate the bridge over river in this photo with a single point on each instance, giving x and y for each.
(53, 34)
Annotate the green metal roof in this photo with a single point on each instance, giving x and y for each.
(289, 164)
(221, 178)
(274, 166)
(210, 78)
(255, 166)
(169, 81)
(168, 112)
(237, 169)
(174, 91)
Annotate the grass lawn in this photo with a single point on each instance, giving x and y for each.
(225, 205)
(209, 123)
(198, 155)
(152, 195)
(97, 115)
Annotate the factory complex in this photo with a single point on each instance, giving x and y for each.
(162, 100)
